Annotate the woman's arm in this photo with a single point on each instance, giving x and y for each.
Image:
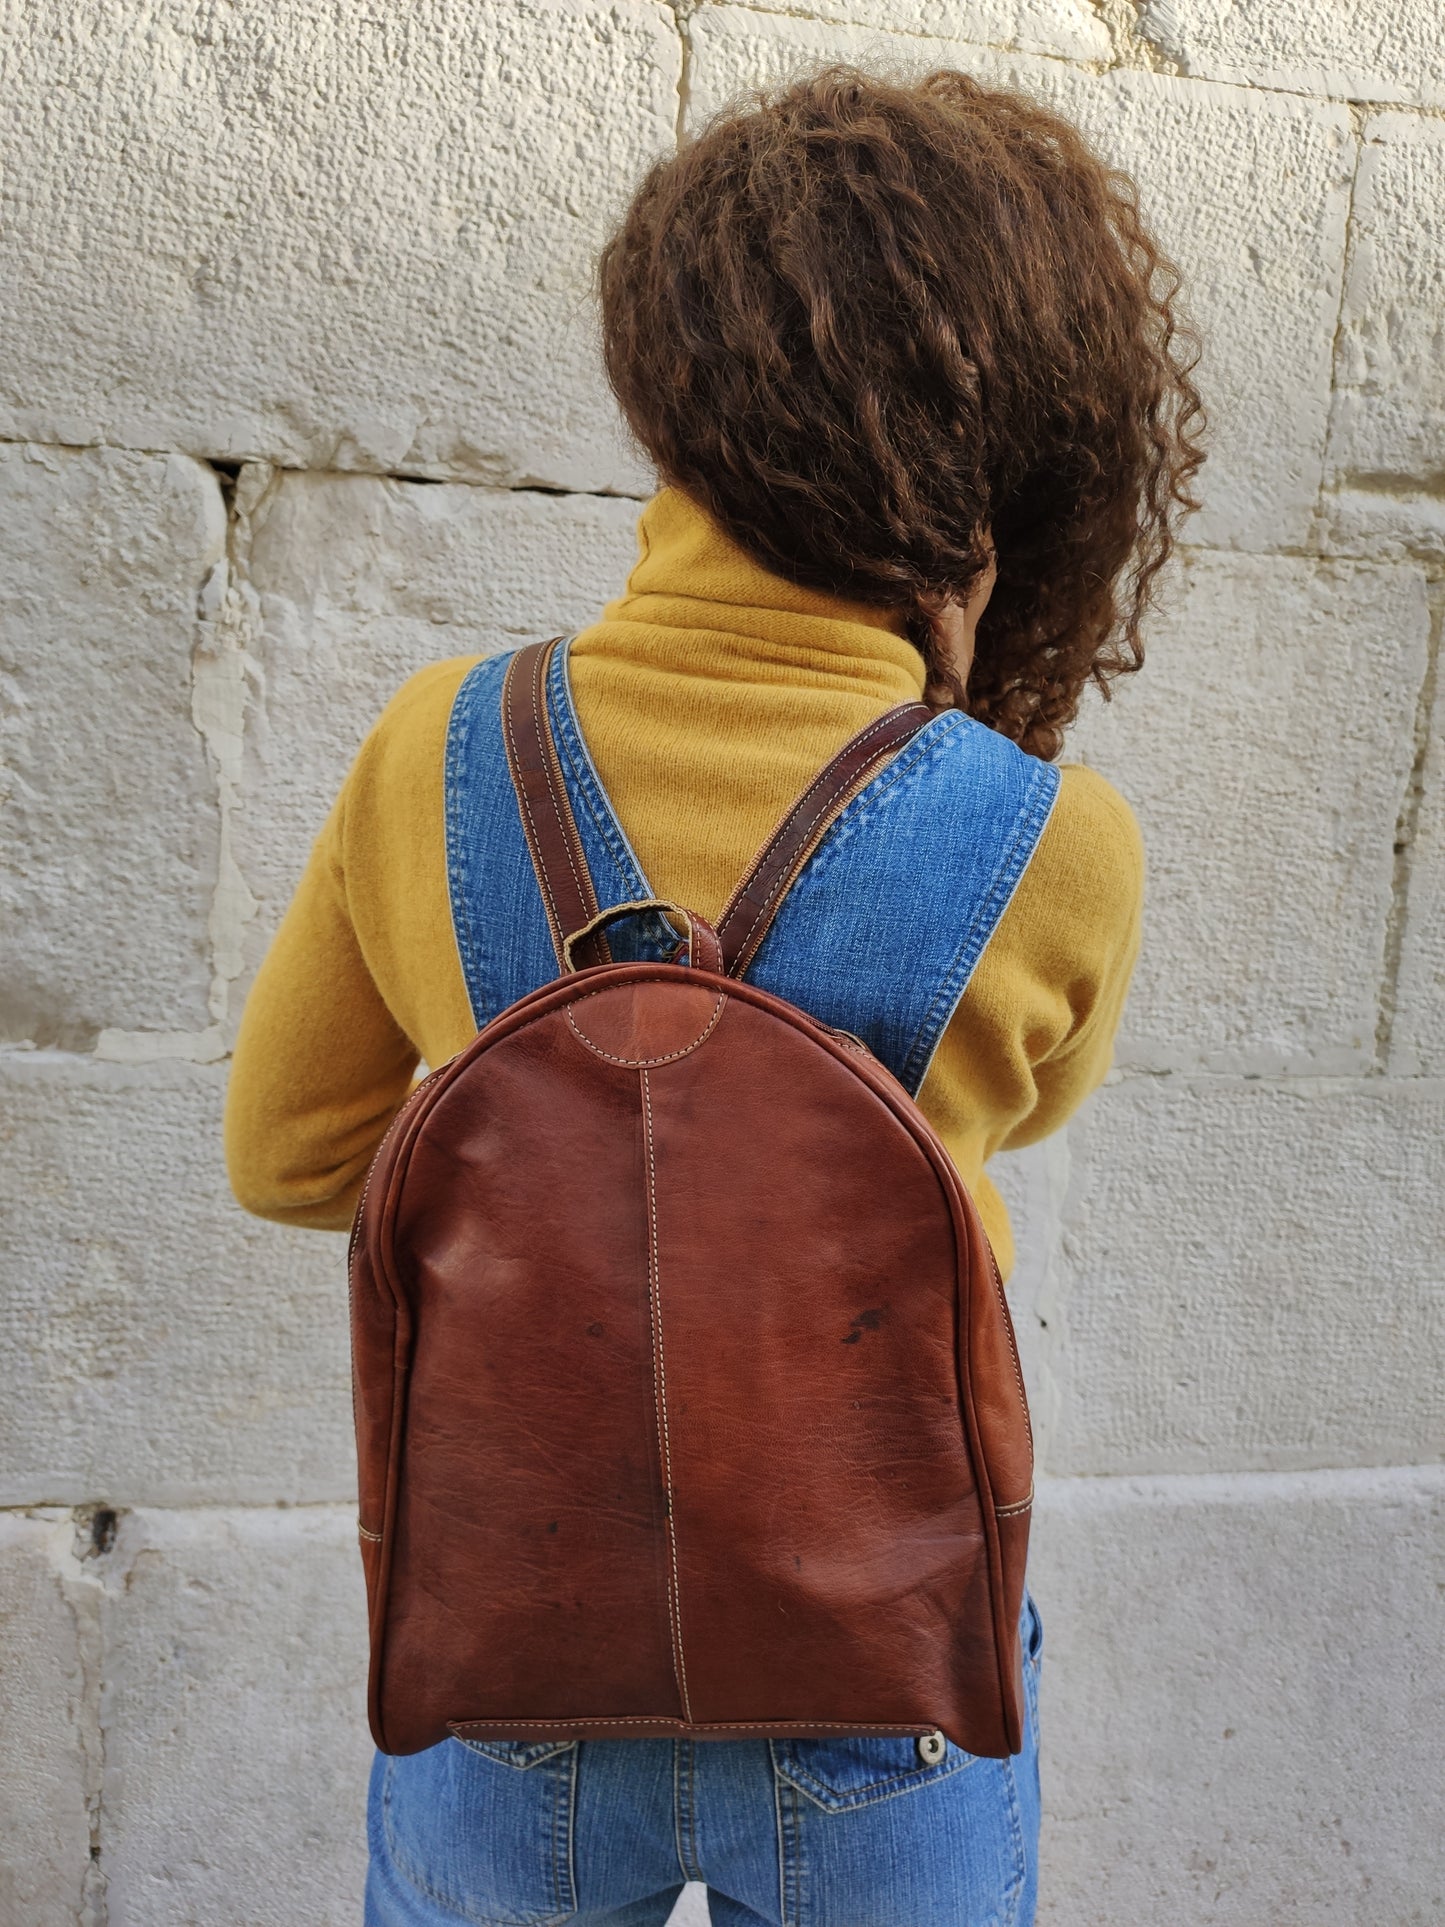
(320, 1066)
(1077, 918)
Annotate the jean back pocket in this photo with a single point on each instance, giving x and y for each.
(843, 1773)
(484, 1828)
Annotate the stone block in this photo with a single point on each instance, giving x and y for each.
(1376, 50)
(1234, 1671)
(108, 855)
(155, 1343)
(346, 238)
(236, 1748)
(49, 1740)
(1242, 1700)
(1251, 1276)
(1248, 192)
(1387, 432)
(360, 582)
(1266, 747)
(1417, 1031)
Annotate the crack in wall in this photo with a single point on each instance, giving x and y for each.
(779, 9)
(1403, 485)
(1133, 48)
(224, 675)
(112, 1573)
(1406, 828)
(226, 468)
(81, 1537)
(1337, 332)
(682, 11)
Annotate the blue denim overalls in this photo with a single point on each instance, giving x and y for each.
(879, 936)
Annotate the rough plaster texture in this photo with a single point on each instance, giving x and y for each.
(1250, 1276)
(1275, 1782)
(1387, 433)
(108, 850)
(1071, 28)
(162, 1348)
(331, 237)
(1374, 50)
(304, 240)
(1232, 731)
(234, 1719)
(48, 1651)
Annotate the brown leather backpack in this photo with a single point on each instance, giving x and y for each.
(687, 1400)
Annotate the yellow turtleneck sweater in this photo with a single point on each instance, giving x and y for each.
(710, 694)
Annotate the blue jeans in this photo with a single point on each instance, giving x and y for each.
(793, 1833)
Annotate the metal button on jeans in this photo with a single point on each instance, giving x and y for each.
(931, 1748)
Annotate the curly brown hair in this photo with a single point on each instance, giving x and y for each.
(874, 328)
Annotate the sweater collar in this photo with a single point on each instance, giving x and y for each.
(696, 595)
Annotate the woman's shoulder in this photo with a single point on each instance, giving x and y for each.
(1091, 854)
(410, 733)
(424, 701)
(1076, 913)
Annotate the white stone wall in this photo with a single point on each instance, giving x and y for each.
(298, 392)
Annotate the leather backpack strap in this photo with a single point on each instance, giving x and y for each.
(749, 911)
(568, 895)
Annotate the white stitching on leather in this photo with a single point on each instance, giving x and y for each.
(674, 1599)
(366, 1533)
(642, 1063)
(1019, 1505)
(708, 1726)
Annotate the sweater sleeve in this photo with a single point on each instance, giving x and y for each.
(1034, 1033)
(361, 981)
(1082, 922)
(320, 1065)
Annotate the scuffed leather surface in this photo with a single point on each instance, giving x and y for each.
(685, 1394)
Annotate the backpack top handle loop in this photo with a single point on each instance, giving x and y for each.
(574, 917)
(704, 952)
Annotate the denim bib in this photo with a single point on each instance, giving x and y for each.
(880, 933)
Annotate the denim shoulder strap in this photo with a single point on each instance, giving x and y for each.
(885, 926)
(880, 933)
(497, 914)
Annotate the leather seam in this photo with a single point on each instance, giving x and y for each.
(1019, 1505)
(674, 1598)
(709, 1726)
(367, 1533)
(643, 1063)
